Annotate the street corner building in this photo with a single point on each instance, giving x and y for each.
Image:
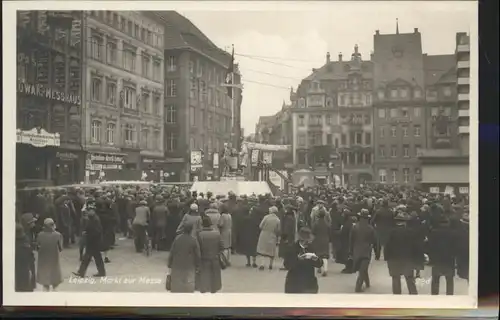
(49, 105)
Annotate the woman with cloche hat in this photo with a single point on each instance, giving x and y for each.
(49, 243)
(270, 231)
(301, 261)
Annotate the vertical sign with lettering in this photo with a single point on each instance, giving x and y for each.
(74, 124)
(42, 69)
(74, 77)
(58, 118)
(59, 71)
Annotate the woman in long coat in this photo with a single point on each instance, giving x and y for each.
(321, 232)
(184, 262)
(49, 243)
(250, 235)
(288, 231)
(225, 228)
(209, 279)
(270, 230)
(24, 264)
(300, 262)
(419, 231)
(345, 232)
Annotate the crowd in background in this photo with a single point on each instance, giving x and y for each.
(408, 228)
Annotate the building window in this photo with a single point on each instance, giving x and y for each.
(199, 69)
(359, 138)
(434, 112)
(95, 133)
(406, 175)
(110, 133)
(301, 140)
(381, 151)
(393, 131)
(416, 112)
(343, 139)
(394, 174)
(145, 66)
(157, 140)
(382, 175)
(417, 93)
(368, 119)
(394, 151)
(404, 112)
(193, 89)
(171, 143)
(129, 55)
(129, 133)
(447, 91)
(111, 53)
(96, 89)
(381, 113)
(96, 47)
(394, 113)
(329, 139)
(145, 102)
(403, 93)
(368, 99)
(406, 151)
(382, 132)
(156, 104)
(191, 67)
(192, 116)
(301, 121)
(172, 64)
(416, 131)
(405, 131)
(156, 70)
(145, 139)
(172, 88)
(130, 100)
(417, 150)
(394, 93)
(328, 119)
(171, 115)
(111, 93)
(368, 138)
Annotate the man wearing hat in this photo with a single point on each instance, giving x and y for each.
(301, 261)
(158, 222)
(362, 241)
(401, 252)
(443, 251)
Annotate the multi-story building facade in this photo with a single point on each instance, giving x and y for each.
(275, 129)
(399, 107)
(445, 163)
(355, 99)
(123, 104)
(462, 54)
(49, 56)
(198, 109)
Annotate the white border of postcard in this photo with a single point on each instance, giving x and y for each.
(164, 299)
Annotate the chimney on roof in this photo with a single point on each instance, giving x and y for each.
(397, 26)
(328, 57)
(377, 32)
(340, 56)
(415, 30)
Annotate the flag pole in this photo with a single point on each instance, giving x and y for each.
(232, 99)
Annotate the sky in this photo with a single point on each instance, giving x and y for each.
(278, 47)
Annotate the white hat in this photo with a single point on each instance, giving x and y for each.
(48, 222)
(194, 207)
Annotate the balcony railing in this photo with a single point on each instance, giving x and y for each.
(463, 81)
(463, 113)
(463, 97)
(463, 129)
(463, 64)
(400, 120)
(463, 48)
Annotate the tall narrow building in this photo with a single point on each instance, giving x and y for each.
(123, 104)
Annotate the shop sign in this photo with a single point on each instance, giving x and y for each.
(255, 157)
(37, 137)
(196, 159)
(157, 161)
(267, 147)
(105, 166)
(434, 189)
(110, 158)
(267, 157)
(174, 160)
(39, 90)
(66, 155)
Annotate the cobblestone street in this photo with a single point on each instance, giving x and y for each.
(134, 272)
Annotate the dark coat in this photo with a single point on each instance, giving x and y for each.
(108, 222)
(159, 215)
(209, 278)
(443, 250)
(345, 232)
(301, 276)
(250, 234)
(184, 261)
(321, 232)
(24, 267)
(93, 233)
(361, 241)
(288, 225)
(384, 222)
(463, 251)
(419, 231)
(401, 251)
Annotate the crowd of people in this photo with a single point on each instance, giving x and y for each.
(406, 227)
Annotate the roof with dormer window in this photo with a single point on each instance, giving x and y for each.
(439, 69)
